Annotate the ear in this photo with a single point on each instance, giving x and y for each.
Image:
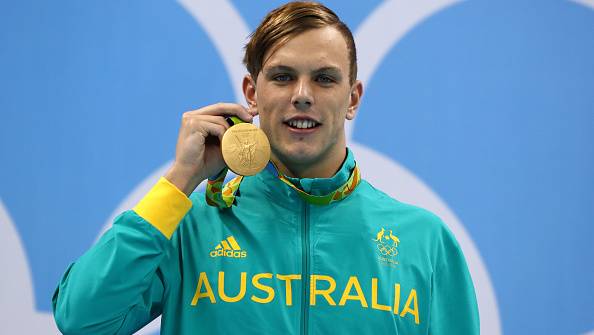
(355, 100)
(249, 91)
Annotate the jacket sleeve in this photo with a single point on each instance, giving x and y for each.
(453, 302)
(118, 286)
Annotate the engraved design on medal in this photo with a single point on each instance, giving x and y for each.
(245, 149)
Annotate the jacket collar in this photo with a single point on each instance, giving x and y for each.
(316, 186)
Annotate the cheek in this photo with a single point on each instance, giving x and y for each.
(339, 111)
(266, 123)
(269, 113)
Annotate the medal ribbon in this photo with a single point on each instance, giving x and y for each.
(221, 196)
(224, 196)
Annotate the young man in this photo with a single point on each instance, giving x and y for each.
(306, 247)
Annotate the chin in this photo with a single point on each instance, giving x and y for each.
(299, 155)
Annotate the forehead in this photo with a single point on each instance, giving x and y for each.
(321, 47)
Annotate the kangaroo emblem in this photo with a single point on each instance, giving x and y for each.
(380, 235)
(394, 238)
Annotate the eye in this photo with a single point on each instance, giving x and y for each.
(283, 77)
(325, 79)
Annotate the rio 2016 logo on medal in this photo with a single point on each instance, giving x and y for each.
(387, 247)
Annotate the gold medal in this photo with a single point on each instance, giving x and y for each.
(246, 149)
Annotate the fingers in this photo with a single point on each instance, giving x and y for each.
(198, 153)
(207, 125)
(253, 111)
(226, 109)
(214, 125)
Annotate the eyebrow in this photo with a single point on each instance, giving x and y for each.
(330, 69)
(335, 71)
(279, 68)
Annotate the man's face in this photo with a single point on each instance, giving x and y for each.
(303, 97)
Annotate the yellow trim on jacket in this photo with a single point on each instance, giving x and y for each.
(164, 206)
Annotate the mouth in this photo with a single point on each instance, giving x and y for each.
(302, 123)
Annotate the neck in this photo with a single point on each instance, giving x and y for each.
(320, 169)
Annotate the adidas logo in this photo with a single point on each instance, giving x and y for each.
(228, 248)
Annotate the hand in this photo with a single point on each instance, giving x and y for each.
(198, 150)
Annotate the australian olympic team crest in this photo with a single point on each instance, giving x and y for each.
(387, 247)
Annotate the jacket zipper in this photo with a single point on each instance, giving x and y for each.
(305, 269)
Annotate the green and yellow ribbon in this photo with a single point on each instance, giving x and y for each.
(223, 196)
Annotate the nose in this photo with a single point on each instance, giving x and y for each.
(302, 97)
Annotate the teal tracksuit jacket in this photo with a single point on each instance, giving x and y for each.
(271, 264)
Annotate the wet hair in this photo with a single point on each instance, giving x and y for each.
(287, 21)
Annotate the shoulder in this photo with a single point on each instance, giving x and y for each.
(377, 200)
(416, 222)
(430, 234)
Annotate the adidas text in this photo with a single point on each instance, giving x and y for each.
(228, 253)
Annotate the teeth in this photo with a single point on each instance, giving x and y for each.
(302, 124)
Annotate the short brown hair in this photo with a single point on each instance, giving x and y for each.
(289, 20)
